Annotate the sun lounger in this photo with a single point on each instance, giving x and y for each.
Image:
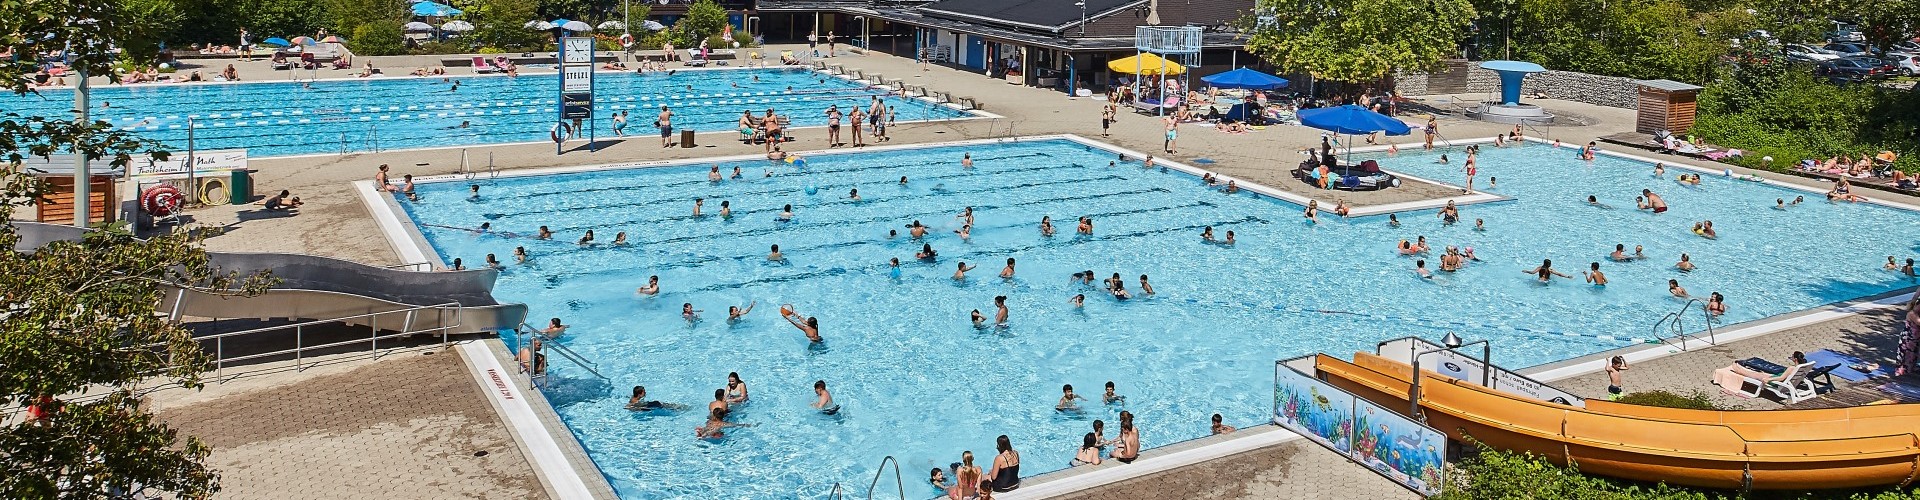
(481, 66)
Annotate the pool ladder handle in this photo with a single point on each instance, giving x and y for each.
(1678, 331)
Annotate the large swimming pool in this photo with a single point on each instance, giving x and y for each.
(327, 116)
(919, 382)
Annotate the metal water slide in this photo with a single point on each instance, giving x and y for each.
(323, 288)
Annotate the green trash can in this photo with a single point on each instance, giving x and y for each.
(241, 186)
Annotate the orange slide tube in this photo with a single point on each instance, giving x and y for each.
(1760, 450)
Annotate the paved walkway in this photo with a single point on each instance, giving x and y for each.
(410, 425)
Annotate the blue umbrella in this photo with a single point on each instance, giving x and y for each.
(1244, 78)
(1352, 119)
(276, 42)
(432, 9)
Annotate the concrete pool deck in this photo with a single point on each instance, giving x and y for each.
(334, 223)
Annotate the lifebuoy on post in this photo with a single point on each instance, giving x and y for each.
(626, 40)
(161, 200)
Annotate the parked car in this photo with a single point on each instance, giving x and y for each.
(1883, 69)
(1808, 53)
(1847, 49)
(1847, 71)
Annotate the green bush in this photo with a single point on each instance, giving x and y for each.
(378, 39)
(1695, 400)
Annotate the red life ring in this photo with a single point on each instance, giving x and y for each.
(161, 200)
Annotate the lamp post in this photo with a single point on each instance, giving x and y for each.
(1452, 342)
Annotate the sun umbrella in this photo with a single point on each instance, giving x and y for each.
(1352, 119)
(1146, 64)
(612, 25)
(417, 26)
(432, 9)
(1244, 78)
(302, 40)
(276, 42)
(333, 39)
(457, 26)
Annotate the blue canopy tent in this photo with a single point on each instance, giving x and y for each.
(432, 9)
(1352, 119)
(1244, 78)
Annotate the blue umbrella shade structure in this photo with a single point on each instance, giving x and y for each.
(276, 42)
(1352, 119)
(1244, 78)
(433, 9)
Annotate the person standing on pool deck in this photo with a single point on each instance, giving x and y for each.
(1654, 201)
(833, 126)
(665, 122)
(809, 326)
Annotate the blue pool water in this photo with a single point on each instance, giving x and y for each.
(285, 118)
(918, 382)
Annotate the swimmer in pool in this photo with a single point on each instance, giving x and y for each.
(960, 271)
(1545, 272)
(639, 402)
(653, 286)
(1596, 277)
(1068, 400)
(1007, 273)
(823, 400)
(1420, 269)
(736, 313)
(809, 326)
(775, 255)
(1673, 287)
(926, 253)
(687, 311)
(1000, 312)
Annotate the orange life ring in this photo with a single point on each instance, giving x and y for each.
(161, 200)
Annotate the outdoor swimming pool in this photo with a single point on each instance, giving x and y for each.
(918, 382)
(401, 112)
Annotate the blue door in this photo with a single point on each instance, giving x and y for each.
(976, 52)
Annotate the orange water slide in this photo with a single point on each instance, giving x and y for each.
(1764, 450)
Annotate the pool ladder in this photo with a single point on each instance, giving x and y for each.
(1674, 322)
(839, 494)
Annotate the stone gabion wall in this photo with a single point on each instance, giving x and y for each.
(1598, 90)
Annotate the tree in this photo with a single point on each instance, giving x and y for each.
(704, 19)
(502, 24)
(77, 318)
(1357, 40)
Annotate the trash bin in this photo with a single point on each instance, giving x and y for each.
(241, 187)
(686, 138)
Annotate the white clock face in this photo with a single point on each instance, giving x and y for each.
(579, 50)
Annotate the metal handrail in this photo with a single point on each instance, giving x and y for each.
(524, 330)
(299, 329)
(896, 478)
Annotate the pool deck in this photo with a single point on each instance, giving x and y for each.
(406, 425)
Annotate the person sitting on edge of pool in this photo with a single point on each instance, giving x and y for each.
(737, 313)
(926, 253)
(960, 271)
(1046, 226)
(1545, 272)
(809, 326)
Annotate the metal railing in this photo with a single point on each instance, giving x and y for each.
(408, 317)
(1675, 322)
(883, 469)
(524, 333)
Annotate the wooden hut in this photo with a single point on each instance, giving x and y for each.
(1666, 105)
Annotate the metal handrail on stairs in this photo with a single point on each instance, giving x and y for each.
(897, 480)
